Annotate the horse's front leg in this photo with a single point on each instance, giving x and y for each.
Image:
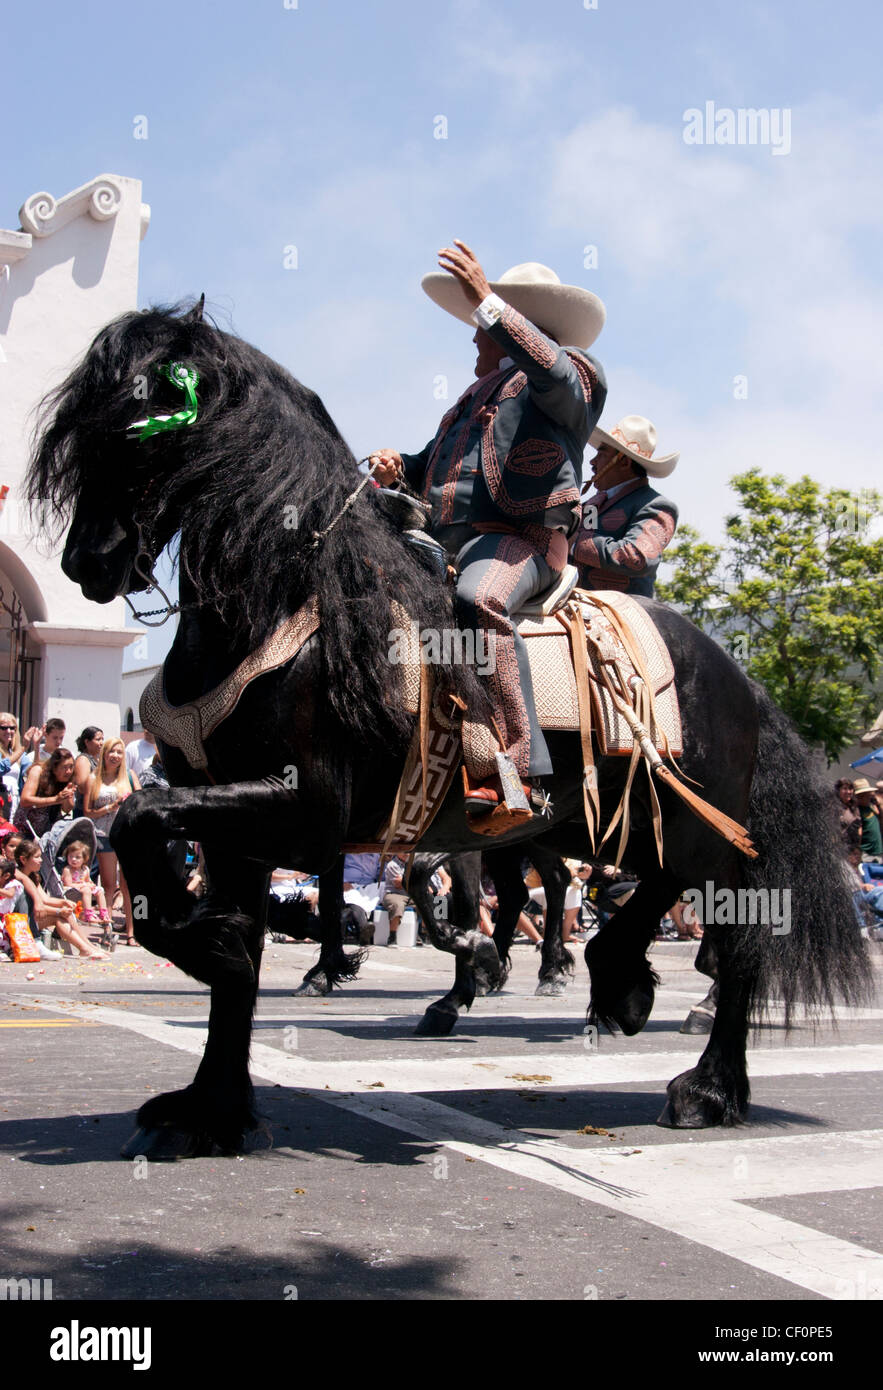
(472, 950)
(623, 981)
(217, 939)
(334, 965)
(556, 961)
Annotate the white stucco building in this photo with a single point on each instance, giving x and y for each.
(70, 267)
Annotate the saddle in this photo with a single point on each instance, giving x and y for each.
(591, 657)
(599, 667)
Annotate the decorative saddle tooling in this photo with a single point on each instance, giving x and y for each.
(599, 667)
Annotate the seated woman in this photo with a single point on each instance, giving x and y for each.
(12, 751)
(48, 793)
(45, 911)
(580, 874)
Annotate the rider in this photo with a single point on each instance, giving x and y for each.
(503, 473)
(626, 523)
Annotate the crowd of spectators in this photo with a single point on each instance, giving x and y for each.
(378, 885)
(42, 783)
(860, 807)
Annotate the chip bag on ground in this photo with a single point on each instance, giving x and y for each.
(24, 948)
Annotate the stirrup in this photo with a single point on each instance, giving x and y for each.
(507, 810)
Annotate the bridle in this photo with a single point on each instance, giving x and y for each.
(143, 566)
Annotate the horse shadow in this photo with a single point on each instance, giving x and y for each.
(107, 1268)
(298, 1124)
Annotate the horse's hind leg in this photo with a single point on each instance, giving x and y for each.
(716, 1090)
(623, 982)
(700, 1019)
(471, 949)
(556, 961)
(504, 866)
(334, 964)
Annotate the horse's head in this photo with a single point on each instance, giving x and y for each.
(119, 496)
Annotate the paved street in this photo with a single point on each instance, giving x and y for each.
(509, 1161)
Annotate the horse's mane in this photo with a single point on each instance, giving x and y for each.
(247, 485)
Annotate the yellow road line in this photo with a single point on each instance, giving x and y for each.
(46, 1023)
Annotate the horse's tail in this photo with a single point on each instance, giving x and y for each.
(799, 943)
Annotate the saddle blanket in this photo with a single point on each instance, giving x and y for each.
(554, 683)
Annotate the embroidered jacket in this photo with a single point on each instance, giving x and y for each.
(508, 454)
(624, 549)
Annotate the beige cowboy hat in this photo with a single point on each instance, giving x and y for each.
(573, 316)
(862, 785)
(635, 436)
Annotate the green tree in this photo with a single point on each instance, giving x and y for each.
(795, 595)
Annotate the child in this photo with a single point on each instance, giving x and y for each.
(75, 874)
(9, 885)
(9, 891)
(45, 911)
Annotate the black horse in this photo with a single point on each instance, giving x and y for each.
(258, 490)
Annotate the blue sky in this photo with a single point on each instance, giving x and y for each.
(313, 127)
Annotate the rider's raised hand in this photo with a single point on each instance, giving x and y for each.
(389, 466)
(465, 265)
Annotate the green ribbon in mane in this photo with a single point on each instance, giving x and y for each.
(187, 380)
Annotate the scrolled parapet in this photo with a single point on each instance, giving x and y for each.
(34, 215)
(41, 214)
(105, 200)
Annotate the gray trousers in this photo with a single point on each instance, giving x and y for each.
(498, 574)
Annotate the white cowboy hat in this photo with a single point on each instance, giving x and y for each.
(573, 316)
(635, 436)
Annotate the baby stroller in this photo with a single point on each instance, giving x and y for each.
(604, 897)
(54, 846)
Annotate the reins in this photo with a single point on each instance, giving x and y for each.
(319, 536)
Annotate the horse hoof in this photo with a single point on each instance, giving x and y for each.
(311, 988)
(486, 961)
(437, 1022)
(684, 1117)
(167, 1144)
(697, 1021)
(632, 1011)
(550, 988)
(696, 1102)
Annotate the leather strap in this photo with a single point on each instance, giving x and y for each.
(188, 726)
(572, 620)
